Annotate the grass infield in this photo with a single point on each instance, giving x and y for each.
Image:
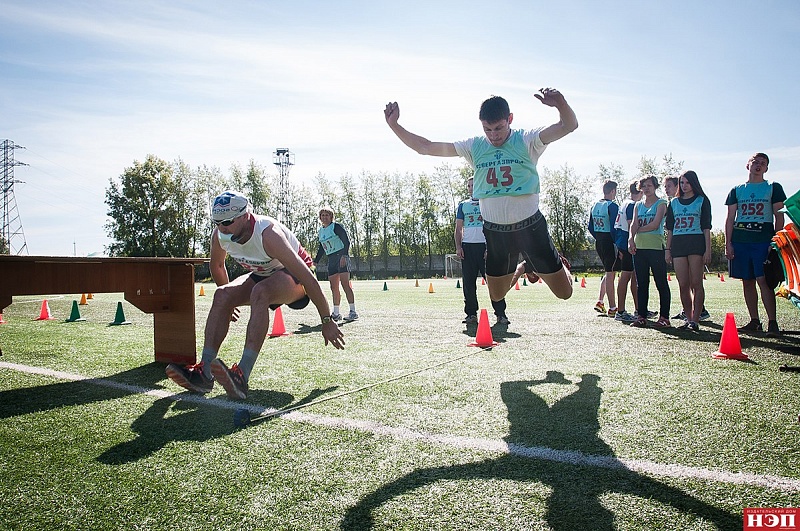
(574, 421)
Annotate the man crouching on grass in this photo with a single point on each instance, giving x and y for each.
(279, 274)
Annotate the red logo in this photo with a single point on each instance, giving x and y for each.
(771, 518)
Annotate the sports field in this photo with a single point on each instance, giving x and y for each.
(572, 422)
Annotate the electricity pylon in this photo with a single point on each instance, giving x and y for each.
(12, 238)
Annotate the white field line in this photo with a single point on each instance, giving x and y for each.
(39, 300)
(470, 443)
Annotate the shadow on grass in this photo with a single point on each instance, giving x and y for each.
(168, 419)
(567, 431)
(309, 329)
(500, 333)
(712, 333)
(27, 400)
(194, 421)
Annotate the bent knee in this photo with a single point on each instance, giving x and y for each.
(261, 297)
(563, 294)
(225, 297)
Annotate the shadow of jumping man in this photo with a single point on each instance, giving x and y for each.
(558, 446)
(169, 420)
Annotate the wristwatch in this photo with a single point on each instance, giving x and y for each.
(327, 319)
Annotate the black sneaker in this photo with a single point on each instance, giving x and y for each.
(681, 316)
(691, 326)
(502, 320)
(753, 326)
(470, 319)
(231, 379)
(190, 377)
(704, 315)
(773, 330)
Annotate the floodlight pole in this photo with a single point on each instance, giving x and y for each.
(12, 238)
(284, 160)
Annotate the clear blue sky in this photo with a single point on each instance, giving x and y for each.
(88, 87)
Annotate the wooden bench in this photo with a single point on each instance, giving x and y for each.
(163, 287)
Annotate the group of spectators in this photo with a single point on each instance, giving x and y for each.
(649, 233)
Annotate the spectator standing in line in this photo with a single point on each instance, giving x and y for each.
(627, 277)
(601, 226)
(646, 244)
(754, 216)
(688, 228)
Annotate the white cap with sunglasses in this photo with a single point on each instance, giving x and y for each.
(228, 206)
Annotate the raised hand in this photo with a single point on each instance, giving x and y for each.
(550, 97)
(392, 112)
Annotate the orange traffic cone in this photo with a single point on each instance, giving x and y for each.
(416, 284)
(44, 314)
(483, 281)
(1, 319)
(430, 288)
(483, 338)
(516, 287)
(669, 277)
(583, 282)
(722, 277)
(730, 347)
(202, 291)
(83, 300)
(278, 328)
(89, 296)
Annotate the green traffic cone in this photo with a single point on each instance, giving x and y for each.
(385, 287)
(524, 281)
(119, 319)
(458, 284)
(75, 315)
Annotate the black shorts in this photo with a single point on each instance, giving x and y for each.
(333, 264)
(688, 244)
(299, 304)
(604, 246)
(626, 262)
(529, 237)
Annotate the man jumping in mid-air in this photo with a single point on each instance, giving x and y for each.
(507, 186)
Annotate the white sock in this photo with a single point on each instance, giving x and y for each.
(353, 307)
(335, 310)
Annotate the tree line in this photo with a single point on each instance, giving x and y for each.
(158, 208)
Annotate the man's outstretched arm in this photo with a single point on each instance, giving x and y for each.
(421, 145)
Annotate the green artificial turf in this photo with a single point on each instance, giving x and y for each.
(583, 403)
